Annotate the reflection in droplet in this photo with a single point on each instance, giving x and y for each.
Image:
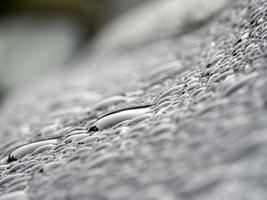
(28, 149)
(16, 167)
(90, 139)
(111, 119)
(76, 137)
(43, 148)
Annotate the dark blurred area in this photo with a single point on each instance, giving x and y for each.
(90, 12)
(39, 36)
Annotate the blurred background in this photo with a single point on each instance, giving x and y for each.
(37, 36)
(40, 36)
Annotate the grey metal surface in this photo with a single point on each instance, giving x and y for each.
(205, 138)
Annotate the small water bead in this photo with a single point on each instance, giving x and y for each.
(169, 92)
(16, 167)
(62, 131)
(67, 131)
(59, 147)
(27, 158)
(31, 164)
(36, 168)
(3, 168)
(77, 137)
(76, 132)
(113, 118)
(119, 125)
(44, 148)
(197, 91)
(50, 130)
(216, 58)
(162, 105)
(28, 149)
(91, 139)
(68, 149)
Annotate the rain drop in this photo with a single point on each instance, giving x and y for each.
(28, 149)
(111, 119)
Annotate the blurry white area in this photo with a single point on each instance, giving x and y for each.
(157, 19)
(31, 46)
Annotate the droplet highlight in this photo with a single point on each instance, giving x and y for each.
(113, 118)
(28, 149)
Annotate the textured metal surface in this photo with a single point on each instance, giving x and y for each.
(205, 137)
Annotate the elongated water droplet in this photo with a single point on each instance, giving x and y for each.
(43, 148)
(111, 119)
(28, 149)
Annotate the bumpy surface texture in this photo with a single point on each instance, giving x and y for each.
(205, 137)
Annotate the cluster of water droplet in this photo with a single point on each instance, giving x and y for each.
(118, 122)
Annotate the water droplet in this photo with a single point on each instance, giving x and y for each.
(76, 132)
(16, 167)
(169, 92)
(43, 148)
(74, 138)
(49, 130)
(113, 118)
(91, 139)
(28, 149)
(29, 165)
(62, 131)
(216, 58)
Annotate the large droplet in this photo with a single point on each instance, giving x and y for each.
(113, 118)
(28, 149)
